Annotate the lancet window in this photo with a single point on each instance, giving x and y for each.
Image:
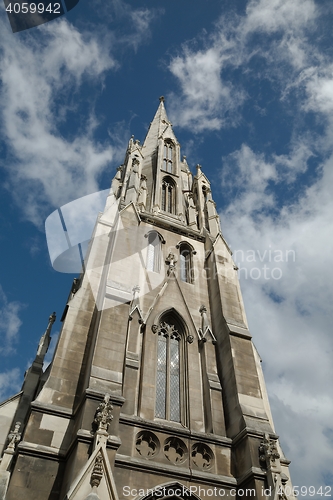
(168, 376)
(167, 163)
(154, 252)
(204, 191)
(168, 195)
(186, 263)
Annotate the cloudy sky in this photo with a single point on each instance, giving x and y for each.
(249, 90)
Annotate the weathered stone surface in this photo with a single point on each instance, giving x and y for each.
(159, 334)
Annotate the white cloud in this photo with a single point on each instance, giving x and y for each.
(9, 323)
(212, 72)
(10, 382)
(290, 317)
(43, 164)
(276, 15)
(138, 21)
(319, 87)
(40, 73)
(141, 20)
(205, 97)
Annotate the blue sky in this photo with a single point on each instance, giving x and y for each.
(249, 90)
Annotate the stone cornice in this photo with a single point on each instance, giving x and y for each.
(38, 450)
(99, 395)
(238, 331)
(249, 432)
(171, 225)
(51, 409)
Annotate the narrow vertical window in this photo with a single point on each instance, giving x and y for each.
(168, 195)
(174, 379)
(164, 196)
(204, 191)
(186, 263)
(161, 377)
(154, 252)
(167, 157)
(170, 200)
(168, 373)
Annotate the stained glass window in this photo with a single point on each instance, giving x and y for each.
(167, 157)
(168, 373)
(168, 195)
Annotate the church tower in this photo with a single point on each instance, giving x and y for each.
(155, 389)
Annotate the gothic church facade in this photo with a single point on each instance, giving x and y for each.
(155, 389)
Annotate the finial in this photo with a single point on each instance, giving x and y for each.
(52, 318)
(46, 338)
(162, 98)
(103, 415)
(14, 437)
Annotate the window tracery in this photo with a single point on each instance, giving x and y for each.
(168, 383)
(168, 195)
(167, 164)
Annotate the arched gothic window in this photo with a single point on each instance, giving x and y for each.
(154, 252)
(186, 265)
(168, 157)
(168, 195)
(168, 374)
(204, 192)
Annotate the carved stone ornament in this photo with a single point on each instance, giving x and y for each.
(75, 286)
(154, 328)
(103, 415)
(97, 472)
(203, 309)
(14, 437)
(268, 450)
(175, 450)
(171, 262)
(202, 456)
(166, 330)
(147, 444)
(52, 318)
(190, 339)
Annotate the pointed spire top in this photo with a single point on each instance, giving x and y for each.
(158, 126)
(199, 169)
(46, 337)
(135, 304)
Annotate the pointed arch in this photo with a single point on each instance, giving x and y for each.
(186, 252)
(205, 191)
(168, 200)
(153, 262)
(168, 156)
(171, 394)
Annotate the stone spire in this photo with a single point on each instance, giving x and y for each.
(157, 127)
(45, 339)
